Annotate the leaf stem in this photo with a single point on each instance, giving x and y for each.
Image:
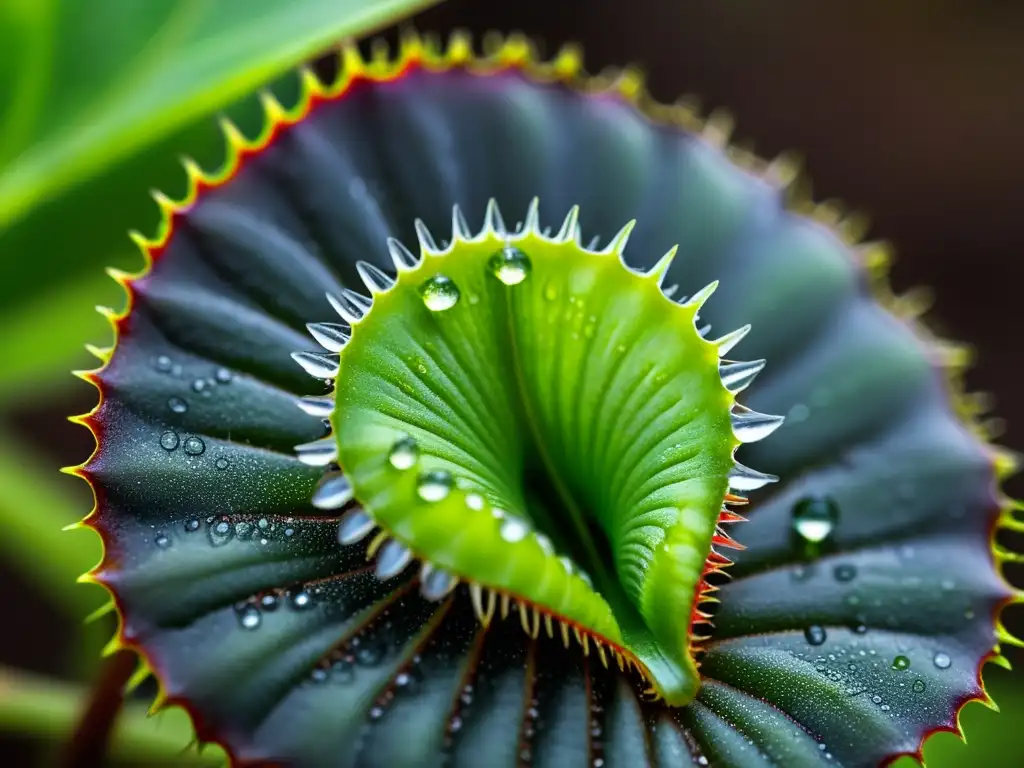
(49, 709)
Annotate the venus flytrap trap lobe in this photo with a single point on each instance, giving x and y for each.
(503, 368)
(296, 630)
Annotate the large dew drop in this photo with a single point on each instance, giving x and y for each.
(815, 635)
(194, 446)
(439, 293)
(815, 519)
(249, 617)
(435, 485)
(510, 265)
(404, 453)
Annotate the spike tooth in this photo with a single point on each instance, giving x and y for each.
(476, 594)
(570, 226)
(376, 280)
(504, 605)
(524, 617)
(704, 330)
(659, 270)
(492, 602)
(737, 376)
(232, 133)
(403, 258)
(564, 629)
(375, 544)
(333, 491)
(601, 653)
(426, 240)
(318, 453)
(321, 407)
(619, 660)
(435, 583)
(319, 365)
(532, 221)
(700, 297)
(351, 306)
(392, 559)
(618, 243)
(460, 227)
(331, 336)
(535, 628)
(670, 291)
(355, 525)
(730, 340)
(548, 625)
(493, 222)
(751, 426)
(743, 478)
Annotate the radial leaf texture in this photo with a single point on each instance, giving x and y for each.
(387, 593)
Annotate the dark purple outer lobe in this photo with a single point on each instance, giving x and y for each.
(907, 573)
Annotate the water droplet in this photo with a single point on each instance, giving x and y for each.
(301, 599)
(514, 529)
(876, 699)
(815, 634)
(163, 364)
(369, 655)
(162, 541)
(918, 686)
(510, 265)
(439, 293)
(223, 376)
(474, 501)
(177, 405)
(194, 446)
(269, 602)
(221, 463)
(243, 530)
(249, 617)
(901, 663)
(199, 385)
(550, 292)
(404, 453)
(169, 441)
(942, 660)
(221, 533)
(845, 572)
(318, 675)
(192, 525)
(434, 485)
(861, 629)
(815, 518)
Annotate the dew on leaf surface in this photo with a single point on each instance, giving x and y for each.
(439, 293)
(434, 485)
(169, 440)
(815, 518)
(177, 405)
(510, 265)
(404, 453)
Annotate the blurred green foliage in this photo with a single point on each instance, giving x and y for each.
(98, 100)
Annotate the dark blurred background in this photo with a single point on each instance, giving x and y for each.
(910, 110)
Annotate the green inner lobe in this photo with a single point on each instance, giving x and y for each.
(536, 418)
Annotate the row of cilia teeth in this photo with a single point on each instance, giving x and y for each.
(335, 491)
